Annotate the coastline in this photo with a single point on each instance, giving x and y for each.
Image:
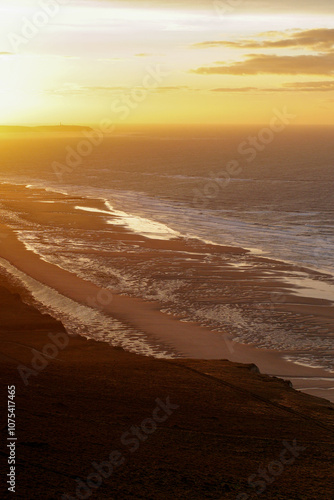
(184, 339)
(83, 403)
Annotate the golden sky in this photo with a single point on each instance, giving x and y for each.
(233, 61)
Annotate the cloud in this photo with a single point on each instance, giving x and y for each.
(316, 39)
(143, 54)
(319, 40)
(323, 86)
(110, 59)
(235, 89)
(75, 89)
(6, 54)
(149, 54)
(321, 64)
(253, 5)
(326, 86)
(173, 88)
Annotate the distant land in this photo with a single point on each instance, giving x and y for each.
(44, 128)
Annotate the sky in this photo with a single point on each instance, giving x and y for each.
(182, 62)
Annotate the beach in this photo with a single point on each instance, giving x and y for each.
(173, 408)
(151, 327)
(166, 250)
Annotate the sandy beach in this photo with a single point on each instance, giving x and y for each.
(183, 339)
(213, 419)
(166, 250)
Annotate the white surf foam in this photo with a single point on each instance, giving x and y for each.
(81, 319)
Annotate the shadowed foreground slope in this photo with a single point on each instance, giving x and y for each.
(181, 429)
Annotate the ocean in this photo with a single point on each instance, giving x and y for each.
(199, 184)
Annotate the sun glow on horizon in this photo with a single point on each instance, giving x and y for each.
(155, 63)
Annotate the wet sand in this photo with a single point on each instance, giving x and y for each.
(185, 339)
(204, 425)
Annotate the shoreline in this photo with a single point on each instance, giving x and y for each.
(186, 339)
(257, 253)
